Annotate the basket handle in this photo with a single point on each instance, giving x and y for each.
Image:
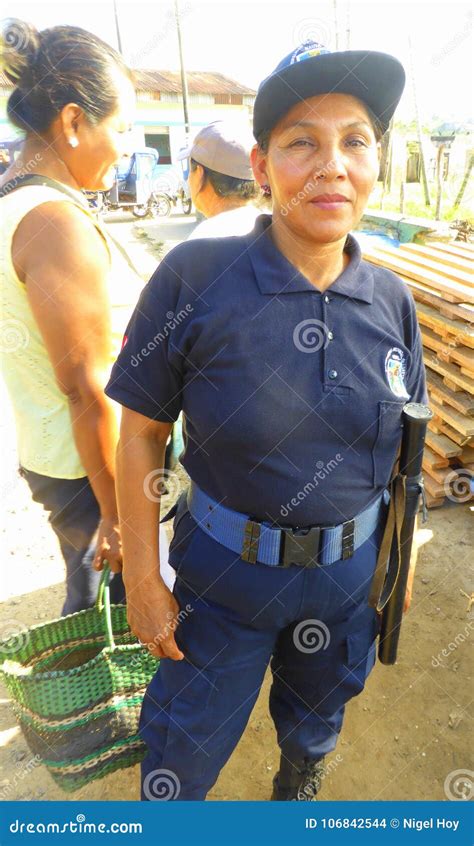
(103, 603)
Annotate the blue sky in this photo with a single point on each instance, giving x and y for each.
(246, 39)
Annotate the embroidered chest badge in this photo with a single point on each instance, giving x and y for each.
(395, 368)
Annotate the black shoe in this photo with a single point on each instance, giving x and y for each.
(298, 782)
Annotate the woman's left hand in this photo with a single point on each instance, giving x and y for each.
(109, 546)
(409, 590)
(411, 572)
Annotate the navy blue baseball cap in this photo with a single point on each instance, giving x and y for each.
(375, 78)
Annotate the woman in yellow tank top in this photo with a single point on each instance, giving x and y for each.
(66, 292)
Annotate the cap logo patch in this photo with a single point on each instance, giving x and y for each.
(395, 369)
(308, 51)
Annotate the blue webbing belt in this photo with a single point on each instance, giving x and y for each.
(259, 542)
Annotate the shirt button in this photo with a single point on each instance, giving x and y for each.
(330, 336)
(326, 299)
(332, 374)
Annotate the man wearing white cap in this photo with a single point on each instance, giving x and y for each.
(221, 179)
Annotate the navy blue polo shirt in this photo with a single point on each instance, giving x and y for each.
(292, 398)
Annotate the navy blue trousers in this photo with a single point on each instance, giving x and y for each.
(74, 515)
(313, 625)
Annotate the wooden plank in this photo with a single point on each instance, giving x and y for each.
(433, 487)
(448, 430)
(441, 475)
(437, 267)
(440, 397)
(433, 501)
(451, 385)
(435, 298)
(450, 371)
(463, 357)
(453, 291)
(452, 310)
(457, 249)
(461, 332)
(432, 461)
(435, 254)
(463, 247)
(467, 455)
(460, 400)
(442, 445)
(460, 422)
(434, 342)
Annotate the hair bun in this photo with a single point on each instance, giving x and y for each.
(19, 44)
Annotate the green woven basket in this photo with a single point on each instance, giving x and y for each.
(77, 686)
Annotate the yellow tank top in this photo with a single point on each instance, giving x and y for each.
(43, 423)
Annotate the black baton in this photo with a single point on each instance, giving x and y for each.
(415, 418)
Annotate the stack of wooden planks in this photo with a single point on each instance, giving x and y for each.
(442, 282)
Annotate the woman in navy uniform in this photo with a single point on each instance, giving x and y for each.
(291, 359)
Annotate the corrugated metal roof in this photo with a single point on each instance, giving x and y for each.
(199, 82)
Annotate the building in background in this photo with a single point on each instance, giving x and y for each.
(159, 120)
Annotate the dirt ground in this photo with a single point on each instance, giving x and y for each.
(405, 737)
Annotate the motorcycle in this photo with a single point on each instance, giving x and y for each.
(134, 188)
(143, 188)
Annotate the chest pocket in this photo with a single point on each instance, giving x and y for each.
(389, 432)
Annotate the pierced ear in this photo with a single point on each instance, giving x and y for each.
(70, 116)
(258, 160)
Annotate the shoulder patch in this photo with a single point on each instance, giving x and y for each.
(395, 369)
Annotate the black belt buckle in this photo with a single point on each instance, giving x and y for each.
(300, 547)
(347, 539)
(251, 539)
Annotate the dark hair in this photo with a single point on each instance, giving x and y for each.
(263, 139)
(60, 65)
(228, 186)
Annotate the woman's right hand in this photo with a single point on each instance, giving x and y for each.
(152, 614)
(108, 546)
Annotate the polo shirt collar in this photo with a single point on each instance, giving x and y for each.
(276, 275)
